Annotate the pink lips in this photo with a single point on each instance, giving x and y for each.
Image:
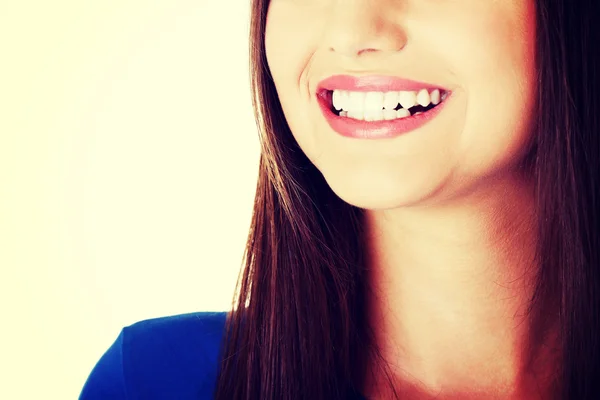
(372, 83)
(384, 129)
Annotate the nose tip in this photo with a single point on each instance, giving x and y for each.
(359, 29)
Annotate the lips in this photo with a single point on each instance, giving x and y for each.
(372, 83)
(379, 123)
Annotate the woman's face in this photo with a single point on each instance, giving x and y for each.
(480, 51)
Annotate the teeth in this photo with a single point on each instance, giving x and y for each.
(435, 97)
(356, 101)
(376, 115)
(374, 101)
(377, 106)
(373, 115)
(407, 99)
(356, 114)
(423, 97)
(390, 100)
(341, 99)
(335, 99)
(390, 114)
(402, 113)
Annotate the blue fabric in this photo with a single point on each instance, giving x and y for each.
(172, 357)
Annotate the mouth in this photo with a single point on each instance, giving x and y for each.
(364, 113)
(379, 106)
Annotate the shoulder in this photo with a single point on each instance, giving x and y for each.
(167, 357)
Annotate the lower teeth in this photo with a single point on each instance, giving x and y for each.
(383, 116)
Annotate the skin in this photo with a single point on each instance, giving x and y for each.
(451, 219)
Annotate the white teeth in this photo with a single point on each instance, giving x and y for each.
(423, 97)
(374, 101)
(389, 114)
(390, 100)
(376, 115)
(435, 97)
(356, 114)
(402, 113)
(356, 101)
(373, 115)
(407, 99)
(375, 106)
(335, 98)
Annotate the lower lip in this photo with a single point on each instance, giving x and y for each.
(385, 129)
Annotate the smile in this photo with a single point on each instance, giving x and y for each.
(354, 107)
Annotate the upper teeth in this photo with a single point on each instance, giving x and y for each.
(371, 101)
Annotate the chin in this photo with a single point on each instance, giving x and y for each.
(379, 194)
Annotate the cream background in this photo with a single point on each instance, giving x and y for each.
(128, 162)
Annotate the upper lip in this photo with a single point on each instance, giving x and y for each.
(372, 83)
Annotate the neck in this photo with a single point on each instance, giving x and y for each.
(451, 286)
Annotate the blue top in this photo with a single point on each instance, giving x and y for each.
(173, 357)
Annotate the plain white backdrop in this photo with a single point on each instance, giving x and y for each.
(128, 164)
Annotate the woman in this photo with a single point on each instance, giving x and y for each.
(434, 237)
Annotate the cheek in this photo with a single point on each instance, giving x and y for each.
(290, 37)
(286, 48)
(494, 59)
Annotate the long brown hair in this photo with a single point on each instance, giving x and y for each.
(298, 330)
